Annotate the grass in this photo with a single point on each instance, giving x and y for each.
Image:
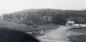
(26, 28)
(16, 26)
(78, 38)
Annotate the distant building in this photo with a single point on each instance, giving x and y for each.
(70, 23)
(76, 22)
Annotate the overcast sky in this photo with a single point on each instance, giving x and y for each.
(9, 6)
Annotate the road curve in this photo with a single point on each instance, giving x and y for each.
(56, 35)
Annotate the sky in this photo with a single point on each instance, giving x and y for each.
(9, 6)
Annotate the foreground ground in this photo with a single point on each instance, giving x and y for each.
(59, 34)
(54, 32)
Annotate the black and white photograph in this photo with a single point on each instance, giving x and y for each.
(42, 20)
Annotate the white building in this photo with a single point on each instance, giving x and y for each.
(73, 24)
(70, 23)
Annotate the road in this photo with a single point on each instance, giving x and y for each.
(57, 35)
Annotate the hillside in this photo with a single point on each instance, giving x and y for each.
(16, 26)
(43, 16)
(43, 19)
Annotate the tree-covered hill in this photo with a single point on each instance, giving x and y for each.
(43, 16)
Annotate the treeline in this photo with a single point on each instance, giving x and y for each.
(43, 16)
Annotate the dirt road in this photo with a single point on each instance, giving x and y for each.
(57, 35)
